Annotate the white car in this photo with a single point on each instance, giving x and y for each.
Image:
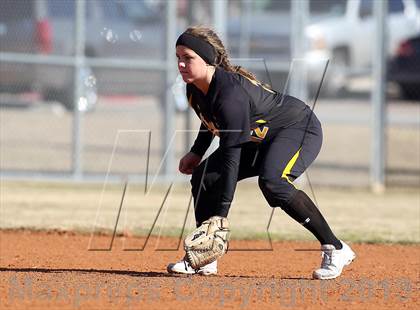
(346, 37)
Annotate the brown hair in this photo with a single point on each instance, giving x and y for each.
(222, 60)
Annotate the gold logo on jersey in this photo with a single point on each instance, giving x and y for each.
(258, 134)
(261, 133)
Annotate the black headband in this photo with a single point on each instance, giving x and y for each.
(204, 49)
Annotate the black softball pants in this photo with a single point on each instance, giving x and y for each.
(277, 164)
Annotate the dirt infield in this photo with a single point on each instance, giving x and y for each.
(50, 270)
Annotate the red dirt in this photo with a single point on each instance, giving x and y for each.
(41, 270)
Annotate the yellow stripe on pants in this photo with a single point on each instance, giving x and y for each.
(289, 167)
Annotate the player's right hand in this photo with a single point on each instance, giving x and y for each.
(189, 162)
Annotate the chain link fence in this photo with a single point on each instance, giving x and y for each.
(89, 89)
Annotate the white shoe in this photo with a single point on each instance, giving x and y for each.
(185, 268)
(333, 261)
(209, 269)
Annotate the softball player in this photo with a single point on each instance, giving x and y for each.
(262, 133)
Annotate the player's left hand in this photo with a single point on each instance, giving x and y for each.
(208, 242)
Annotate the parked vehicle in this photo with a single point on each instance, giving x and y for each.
(345, 38)
(114, 29)
(404, 68)
(338, 30)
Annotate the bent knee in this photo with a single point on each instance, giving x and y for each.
(277, 191)
(274, 184)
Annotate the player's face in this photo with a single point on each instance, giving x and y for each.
(191, 66)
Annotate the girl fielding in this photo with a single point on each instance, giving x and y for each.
(262, 133)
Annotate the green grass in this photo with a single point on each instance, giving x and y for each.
(253, 236)
(355, 214)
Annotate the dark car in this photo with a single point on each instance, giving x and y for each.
(114, 29)
(404, 68)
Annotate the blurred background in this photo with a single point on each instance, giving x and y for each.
(89, 89)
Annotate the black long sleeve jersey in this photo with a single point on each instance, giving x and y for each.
(239, 111)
